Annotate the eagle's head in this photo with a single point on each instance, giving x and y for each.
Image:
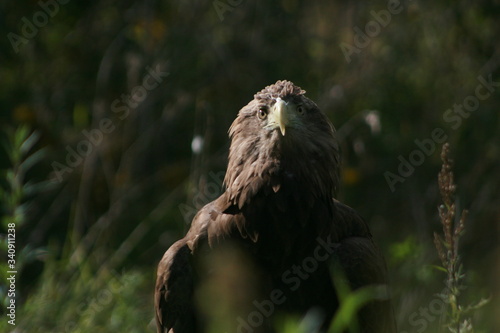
(281, 137)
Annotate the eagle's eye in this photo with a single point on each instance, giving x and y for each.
(301, 109)
(262, 113)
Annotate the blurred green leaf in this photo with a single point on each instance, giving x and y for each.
(439, 268)
(29, 142)
(19, 138)
(31, 160)
(346, 316)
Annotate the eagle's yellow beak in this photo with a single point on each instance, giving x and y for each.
(280, 115)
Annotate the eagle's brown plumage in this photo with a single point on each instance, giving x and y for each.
(278, 206)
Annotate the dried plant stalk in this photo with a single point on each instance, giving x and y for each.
(447, 246)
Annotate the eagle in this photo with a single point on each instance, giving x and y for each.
(279, 213)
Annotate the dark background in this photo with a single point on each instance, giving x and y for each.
(89, 236)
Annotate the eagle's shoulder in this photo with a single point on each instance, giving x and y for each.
(348, 223)
(216, 221)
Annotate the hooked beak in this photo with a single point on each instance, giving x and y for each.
(280, 115)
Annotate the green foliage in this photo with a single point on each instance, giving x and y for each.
(411, 259)
(351, 303)
(19, 147)
(82, 300)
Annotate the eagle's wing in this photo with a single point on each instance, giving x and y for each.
(174, 291)
(174, 306)
(363, 264)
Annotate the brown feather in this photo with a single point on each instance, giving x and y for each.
(277, 207)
